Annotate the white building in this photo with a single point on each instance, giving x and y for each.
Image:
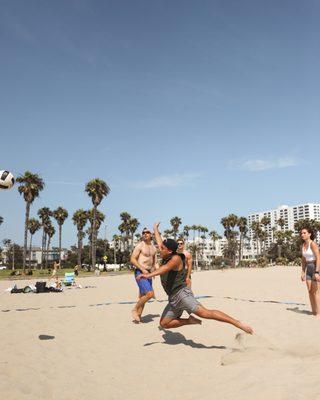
(290, 215)
(212, 249)
(53, 255)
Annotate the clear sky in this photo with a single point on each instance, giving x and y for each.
(185, 108)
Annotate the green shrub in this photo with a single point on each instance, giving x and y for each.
(282, 261)
(262, 262)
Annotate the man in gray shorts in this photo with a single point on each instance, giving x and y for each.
(173, 279)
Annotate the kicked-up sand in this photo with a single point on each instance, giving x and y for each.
(81, 344)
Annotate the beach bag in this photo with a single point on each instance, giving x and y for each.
(27, 289)
(16, 290)
(40, 287)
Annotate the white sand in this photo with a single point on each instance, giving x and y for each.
(98, 353)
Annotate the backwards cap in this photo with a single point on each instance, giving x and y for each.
(171, 244)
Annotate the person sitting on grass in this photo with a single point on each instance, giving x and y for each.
(180, 297)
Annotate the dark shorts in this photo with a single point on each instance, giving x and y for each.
(145, 285)
(310, 269)
(183, 300)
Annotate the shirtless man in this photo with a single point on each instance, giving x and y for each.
(144, 260)
(188, 260)
(181, 298)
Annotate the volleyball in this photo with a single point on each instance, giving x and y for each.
(6, 180)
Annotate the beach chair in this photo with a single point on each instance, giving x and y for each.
(69, 279)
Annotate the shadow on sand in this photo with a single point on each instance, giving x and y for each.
(173, 338)
(149, 318)
(296, 310)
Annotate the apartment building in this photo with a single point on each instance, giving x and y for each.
(289, 214)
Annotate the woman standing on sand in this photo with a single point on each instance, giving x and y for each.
(311, 268)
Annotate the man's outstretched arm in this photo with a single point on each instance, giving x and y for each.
(174, 262)
(157, 235)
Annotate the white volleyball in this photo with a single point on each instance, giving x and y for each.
(6, 180)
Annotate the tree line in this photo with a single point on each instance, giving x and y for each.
(285, 242)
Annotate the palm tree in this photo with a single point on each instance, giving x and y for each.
(50, 231)
(44, 214)
(186, 230)
(30, 187)
(214, 236)
(229, 223)
(167, 233)
(175, 223)
(133, 226)
(204, 230)
(116, 240)
(265, 222)
(242, 224)
(33, 226)
(199, 230)
(60, 215)
(99, 219)
(80, 219)
(256, 234)
(124, 227)
(194, 228)
(97, 189)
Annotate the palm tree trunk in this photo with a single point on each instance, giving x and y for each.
(13, 258)
(240, 249)
(43, 247)
(279, 250)
(47, 250)
(30, 247)
(93, 260)
(26, 236)
(114, 253)
(60, 235)
(79, 249)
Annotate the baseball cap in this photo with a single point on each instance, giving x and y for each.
(170, 244)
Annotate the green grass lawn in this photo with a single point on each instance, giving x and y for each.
(5, 274)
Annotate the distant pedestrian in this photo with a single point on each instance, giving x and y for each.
(311, 268)
(188, 259)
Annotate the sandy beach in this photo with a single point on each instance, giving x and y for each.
(81, 344)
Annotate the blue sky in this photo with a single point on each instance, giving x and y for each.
(194, 109)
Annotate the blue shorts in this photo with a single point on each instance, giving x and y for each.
(145, 285)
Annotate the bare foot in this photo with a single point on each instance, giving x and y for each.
(317, 316)
(245, 328)
(194, 321)
(135, 316)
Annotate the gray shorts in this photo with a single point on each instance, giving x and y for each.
(310, 269)
(183, 300)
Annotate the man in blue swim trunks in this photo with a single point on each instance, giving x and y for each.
(143, 259)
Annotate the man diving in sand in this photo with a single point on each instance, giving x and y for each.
(173, 278)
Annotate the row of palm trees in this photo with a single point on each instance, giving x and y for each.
(235, 228)
(30, 185)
